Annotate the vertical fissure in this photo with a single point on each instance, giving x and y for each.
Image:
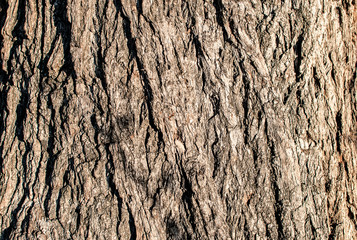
(132, 226)
(298, 59)
(3, 79)
(245, 103)
(131, 44)
(278, 206)
(64, 29)
(188, 194)
(339, 131)
(110, 170)
(52, 156)
(219, 7)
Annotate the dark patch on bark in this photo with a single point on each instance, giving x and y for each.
(298, 59)
(339, 131)
(131, 225)
(64, 29)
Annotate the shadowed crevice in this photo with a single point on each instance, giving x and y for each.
(27, 220)
(64, 29)
(3, 15)
(298, 59)
(6, 233)
(5, 77)
(19, 34)
(19, 125)
(333, 230)
(110, 171)
(21, 110)
(215, 151)
(274, 176)
(3, 115)
(52, 155)
(133, 55)
(187, 196)
(131, 224)
(14, 215)
(219, 7)
(101, 53)
(201, 61)
(245, 103)
(339, 131)
(44, 60)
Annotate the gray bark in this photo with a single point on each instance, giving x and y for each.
(178, 119)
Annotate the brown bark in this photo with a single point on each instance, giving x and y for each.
(178, 119)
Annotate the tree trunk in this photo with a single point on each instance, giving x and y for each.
(178, 119)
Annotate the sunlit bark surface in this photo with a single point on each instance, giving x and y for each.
(178, 119)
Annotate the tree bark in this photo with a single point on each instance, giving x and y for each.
(178, 119)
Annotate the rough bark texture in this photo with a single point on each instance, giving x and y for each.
(178, 119)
